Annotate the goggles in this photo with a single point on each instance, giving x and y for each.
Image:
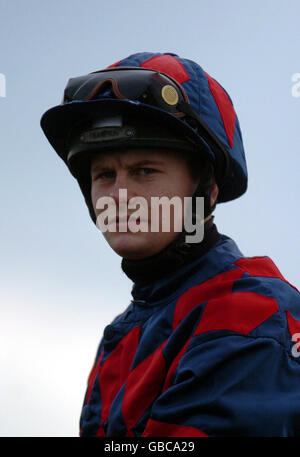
(135, 84)
(149, 87)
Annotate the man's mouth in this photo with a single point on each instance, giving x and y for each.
(123, 220)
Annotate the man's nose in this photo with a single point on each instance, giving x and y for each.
(121, 188)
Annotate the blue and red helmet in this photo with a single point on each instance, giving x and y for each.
(149, 100)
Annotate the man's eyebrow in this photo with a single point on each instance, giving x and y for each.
(146, 162)
(140, 163)
(98, 167)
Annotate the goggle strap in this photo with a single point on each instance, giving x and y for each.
(98, 86)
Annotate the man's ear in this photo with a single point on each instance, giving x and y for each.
(214, 193)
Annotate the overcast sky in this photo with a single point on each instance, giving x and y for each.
(60, 283)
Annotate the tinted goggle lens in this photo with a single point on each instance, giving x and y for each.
(147, 86)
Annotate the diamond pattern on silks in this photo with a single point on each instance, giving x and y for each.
(225, 107)
(115, 64)
(219, 285)
(259, 266)
(115, 369)
(92, 377)
(212, 288)
(239, 312)
(169, 65)
(142, 387)
(211, 355)
(216, 315)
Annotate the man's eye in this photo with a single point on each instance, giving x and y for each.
(146, 171)
(104, 175)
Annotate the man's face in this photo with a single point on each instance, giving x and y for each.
(143, 173)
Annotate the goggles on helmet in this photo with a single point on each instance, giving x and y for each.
(136, 84)
(149, 87)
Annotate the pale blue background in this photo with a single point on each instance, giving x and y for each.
(60, 283)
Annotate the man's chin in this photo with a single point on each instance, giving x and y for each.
(132, 253)
(133, 246)
(139, 245)
(129, 245)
